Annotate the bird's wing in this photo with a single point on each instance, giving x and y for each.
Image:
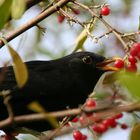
(45, 77)
(7, 76)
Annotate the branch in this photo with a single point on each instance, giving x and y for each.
(108, 26)
(100, 114)
(34, 21)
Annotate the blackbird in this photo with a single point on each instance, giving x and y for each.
(55, 84)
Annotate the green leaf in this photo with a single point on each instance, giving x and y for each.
(135, 132)
(20, 69)
(5, 8)
(131, 81)
(83, 35)
(18, 8)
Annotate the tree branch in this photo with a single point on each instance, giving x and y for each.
(34, 21)
(99, 113)
(99, 116)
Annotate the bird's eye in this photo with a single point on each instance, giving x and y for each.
(87, 60)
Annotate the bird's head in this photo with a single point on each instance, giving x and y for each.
(90, 66)
(89, 60)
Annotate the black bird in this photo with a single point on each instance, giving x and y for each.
(55, 84)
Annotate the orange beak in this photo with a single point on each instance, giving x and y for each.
(104, 65)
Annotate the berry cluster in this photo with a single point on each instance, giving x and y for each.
(99, 128)
(106, 124)
(134, 56)
(104, 11)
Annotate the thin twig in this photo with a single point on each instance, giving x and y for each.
(94, 135)
(72, 112)
(108, 26)
(131, 34)
(101, 36)
(64, 122)
(73, 19)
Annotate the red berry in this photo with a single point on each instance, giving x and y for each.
(118, 116)
(76, 11)
(106, 123)
(119, 63)
(82, 119)
(114, 124)
(136, 46)
(99, 128)
(89, 114)
(77, 135)
(84, 137)
(132, 68)
(60, 18)
(110, 122)
(76, 119)
(133, 52)
(67, 125)
(90, 102)
(105, 11)
(132, 59)
(135, 49)
(124, 126)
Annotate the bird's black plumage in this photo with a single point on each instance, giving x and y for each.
(56, 84)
